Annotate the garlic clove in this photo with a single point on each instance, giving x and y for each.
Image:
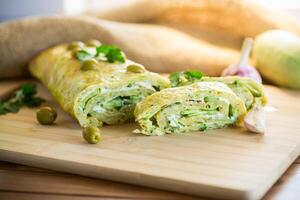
(247, 71)
(255, 120)
(242, 68)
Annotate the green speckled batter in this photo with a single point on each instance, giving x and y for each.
(248, 90)
(106, 94)
(196, 107)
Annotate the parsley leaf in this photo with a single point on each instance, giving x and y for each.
(184, 78)
(193, 75)
(111, 53)
(107, 53)
(29, 89)
(22, 97)
(102, 49)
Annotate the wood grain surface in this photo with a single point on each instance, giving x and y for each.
(226, 163)
(30, 183)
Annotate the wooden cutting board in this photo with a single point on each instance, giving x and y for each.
(226, 163)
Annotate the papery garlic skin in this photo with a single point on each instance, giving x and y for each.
(255, 120)
(242, 68)
(246, 71)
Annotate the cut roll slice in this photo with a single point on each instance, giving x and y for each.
(96, 105)
(196, 107)
(107, 93)
(251, 92)
(253, 96)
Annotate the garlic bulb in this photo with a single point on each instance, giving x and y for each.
(242, 68)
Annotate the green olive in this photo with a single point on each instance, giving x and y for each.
(91, 134)
(46, 115)
(76, 44)
(93, 43)
(136, 68)
(89, 64)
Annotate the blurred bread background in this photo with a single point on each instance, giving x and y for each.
(163, 35)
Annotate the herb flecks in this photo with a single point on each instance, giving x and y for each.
(111, 53)
(105, 53)
(192, 75)
(25, 96)
(183, 78)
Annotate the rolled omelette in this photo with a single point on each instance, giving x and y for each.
(106, 94)
(251, 92)
(196, 107)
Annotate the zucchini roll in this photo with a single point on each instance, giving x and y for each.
(196, 107)
(251, 92)
(95, 83)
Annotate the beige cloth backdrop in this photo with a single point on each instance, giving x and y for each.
(164, 35)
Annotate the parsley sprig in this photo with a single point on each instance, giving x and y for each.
(22, 97)
(183, 78)
(106, 53)
(111, 53)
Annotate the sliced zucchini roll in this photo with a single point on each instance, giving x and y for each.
(249, 91)
(196, 107)
(95, 83)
